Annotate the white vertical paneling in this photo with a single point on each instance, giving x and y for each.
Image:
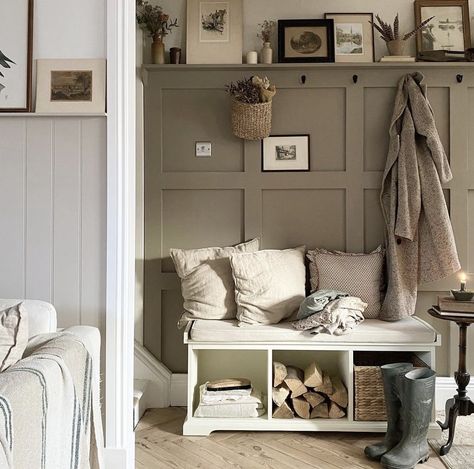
(12, 207)
(67, 221)
(93, 221)
(39, 209)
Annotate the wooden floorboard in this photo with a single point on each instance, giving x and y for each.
(160, 444)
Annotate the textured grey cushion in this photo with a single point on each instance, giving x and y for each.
(13, 335)
(206, 281)
(269, 285)
(359, 275)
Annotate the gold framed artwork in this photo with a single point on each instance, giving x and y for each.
(73, 86)
(214, 32)
(450, 28)
(353, 36)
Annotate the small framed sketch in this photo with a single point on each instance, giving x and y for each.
(306, 40)
(353, 36)
(71, 86)
(214, 32)
(448, 30)
(16, 51)
(285, 153)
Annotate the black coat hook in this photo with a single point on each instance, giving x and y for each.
(459, 78)
(303, 79)
(355, 78)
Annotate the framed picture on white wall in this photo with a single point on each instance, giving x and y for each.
(16, 52)
(214, 32)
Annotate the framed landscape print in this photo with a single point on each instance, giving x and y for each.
(16, 51)
(285, 153)
(353, 37)
(306, 40)
(71, 86)
(214, 32)
(449, 29)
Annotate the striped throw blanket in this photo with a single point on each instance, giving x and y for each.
(49, 409)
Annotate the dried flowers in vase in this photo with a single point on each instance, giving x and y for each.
(391, 35)
(265, 34)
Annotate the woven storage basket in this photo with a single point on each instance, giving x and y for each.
(369, 400)
(251, 121)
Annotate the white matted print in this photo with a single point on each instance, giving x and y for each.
(214, 21)
(214, 33)
(285, 153)
(15, 55)
(71, 86)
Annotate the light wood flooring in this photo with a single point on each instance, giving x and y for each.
(160, 444)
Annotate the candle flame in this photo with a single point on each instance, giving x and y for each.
(463, 277)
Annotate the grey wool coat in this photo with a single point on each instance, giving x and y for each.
(419, 237)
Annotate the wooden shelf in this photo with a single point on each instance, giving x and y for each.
(47, 114)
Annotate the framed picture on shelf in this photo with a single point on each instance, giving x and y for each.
(16, 52)
(70, 86)
(449, 30)
(285, 153)
(353, 37)
(214, 32)
(306, 41)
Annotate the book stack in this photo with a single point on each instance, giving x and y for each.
(448, 306)
(398, 58)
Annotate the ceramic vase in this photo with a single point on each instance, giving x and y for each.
(396, 47)
(158, 51)
(266, 54)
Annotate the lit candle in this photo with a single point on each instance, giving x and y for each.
(463, 282)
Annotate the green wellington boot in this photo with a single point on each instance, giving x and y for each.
(418, 388)
(390, 375)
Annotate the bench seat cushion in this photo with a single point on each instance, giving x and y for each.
(409, 330)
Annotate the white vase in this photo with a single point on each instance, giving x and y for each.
(266, 55)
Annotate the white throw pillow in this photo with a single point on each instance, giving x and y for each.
(269, 285)
(206, 281)
(359, 275)
(13, 335)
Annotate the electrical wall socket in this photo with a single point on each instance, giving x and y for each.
(203, 149)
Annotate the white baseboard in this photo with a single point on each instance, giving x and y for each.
(179, 390)
(445, 389)
(117, 458)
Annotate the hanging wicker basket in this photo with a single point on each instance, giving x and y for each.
(251, 121)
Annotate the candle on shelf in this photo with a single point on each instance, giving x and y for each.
(252, 57)
(463, 282)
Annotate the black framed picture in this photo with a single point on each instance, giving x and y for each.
(285, 153)
(306, 40)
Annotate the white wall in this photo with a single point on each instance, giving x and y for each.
(255, 11)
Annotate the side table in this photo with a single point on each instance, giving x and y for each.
(460, 404)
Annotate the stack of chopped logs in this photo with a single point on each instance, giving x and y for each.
(311, 393)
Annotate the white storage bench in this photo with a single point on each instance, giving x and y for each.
(220, 349)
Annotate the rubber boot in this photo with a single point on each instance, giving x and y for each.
(418, 388)
(391, 374)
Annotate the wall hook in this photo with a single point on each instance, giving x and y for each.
(355, 78)
(459, 78)
(303, 79)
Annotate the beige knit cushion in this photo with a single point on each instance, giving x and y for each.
(358, 275)
(13, 335)
(206, 281)
(269, 285)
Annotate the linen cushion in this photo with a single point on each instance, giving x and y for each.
(269, 285)
(359, 275)
(13, 335)
(207, 285)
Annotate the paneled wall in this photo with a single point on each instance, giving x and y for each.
(195, 202)
(53, 214)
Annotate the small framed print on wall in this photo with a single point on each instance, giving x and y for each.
(285, 153)
(305, 41)
(214, 32)
(71, 86)
(16, 51)
(353, 37)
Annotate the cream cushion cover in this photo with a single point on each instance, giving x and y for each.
(269, 285)
(13, 335)
(207, 285)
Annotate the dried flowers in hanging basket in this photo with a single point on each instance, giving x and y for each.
(251, 107)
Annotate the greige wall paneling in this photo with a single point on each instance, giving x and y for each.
(191, 202)
(53, 206)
